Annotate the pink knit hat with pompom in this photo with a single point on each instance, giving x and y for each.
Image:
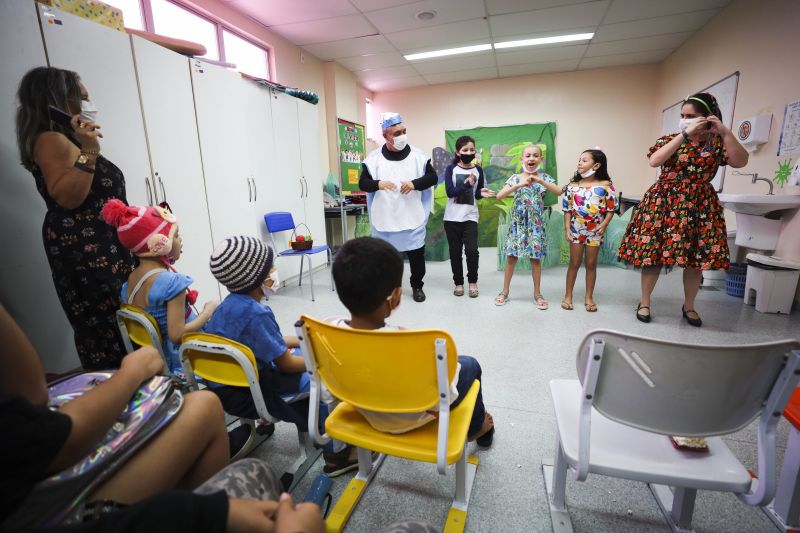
(145, 231)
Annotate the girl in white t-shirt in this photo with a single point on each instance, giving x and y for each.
(464, 183)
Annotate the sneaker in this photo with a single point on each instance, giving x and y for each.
(417, 294)
(237, 438)
(337, 463)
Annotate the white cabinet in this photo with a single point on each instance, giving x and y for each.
(102, 57)
(311, 166)
(165, 87)
(222, 124)
(26, 285)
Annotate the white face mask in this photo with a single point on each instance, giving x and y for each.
(400, 141)
(269, 291)
(88, 110)
(588, 173)
(685, 123)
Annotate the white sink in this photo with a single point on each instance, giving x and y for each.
(759, 204)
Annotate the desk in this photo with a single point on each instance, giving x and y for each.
(342, 212)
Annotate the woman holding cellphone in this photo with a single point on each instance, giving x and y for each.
(62, 151)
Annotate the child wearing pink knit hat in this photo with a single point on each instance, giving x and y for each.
(151, 233)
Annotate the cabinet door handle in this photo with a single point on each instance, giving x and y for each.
(249, 191)
(305, 187)
(149, 193)
(255, 189)
(163, 192)
(301, 187)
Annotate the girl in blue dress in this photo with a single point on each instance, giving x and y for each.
(526, 231)
(151, 233)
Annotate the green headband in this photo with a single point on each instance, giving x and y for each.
(702, 102)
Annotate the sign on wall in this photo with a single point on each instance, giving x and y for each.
(351, 154)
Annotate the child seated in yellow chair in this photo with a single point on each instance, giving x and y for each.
(245, 266)
(368, 273)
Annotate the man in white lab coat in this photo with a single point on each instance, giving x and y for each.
(399, 179)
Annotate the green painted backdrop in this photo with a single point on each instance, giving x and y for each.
(499, 150)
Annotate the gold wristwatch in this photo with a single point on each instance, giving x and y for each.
(82, 159)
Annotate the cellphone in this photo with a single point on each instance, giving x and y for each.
(60, 117)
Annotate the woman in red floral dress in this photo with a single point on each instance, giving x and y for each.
(679, 221)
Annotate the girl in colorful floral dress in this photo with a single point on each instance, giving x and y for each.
(679, 221)
(588, 205)
(526, 231)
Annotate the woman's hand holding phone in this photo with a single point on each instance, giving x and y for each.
(86, 132)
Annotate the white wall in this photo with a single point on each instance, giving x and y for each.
(611, 108)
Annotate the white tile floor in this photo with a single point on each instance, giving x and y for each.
(520, 349)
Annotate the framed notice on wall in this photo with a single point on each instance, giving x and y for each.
(352, 139)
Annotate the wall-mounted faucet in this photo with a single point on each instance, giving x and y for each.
(755, 179)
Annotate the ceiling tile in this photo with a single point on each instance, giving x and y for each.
(537, 54)
(626, 10)
(454, 63)
(373, 5)
(642, 44)
(276, 12)
(655, 26)
(476, 30)
(371, 44)
(395, 85)
(389, 73)
(499, 7)
(653, 56)
(403, 17)
(550, 20)
(326, 30)
(463, 75)
(372, 61)
(538, 68)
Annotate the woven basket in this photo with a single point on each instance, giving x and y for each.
(300, 246)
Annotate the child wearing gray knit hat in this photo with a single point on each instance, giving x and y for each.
(245, 266)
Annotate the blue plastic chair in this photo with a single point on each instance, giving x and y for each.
(282, 221)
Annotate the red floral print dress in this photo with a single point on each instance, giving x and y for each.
(679, 221)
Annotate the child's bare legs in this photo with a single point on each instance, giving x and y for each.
(511, 262)
(575, 258)
(591, 275)
(536, 274)
(184, 454)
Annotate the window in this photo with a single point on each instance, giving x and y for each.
(171, 18)
(370, 120)
(174, 21)
(247, 57)
(131, 12)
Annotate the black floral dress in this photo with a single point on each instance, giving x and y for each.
(679, 221)
(89, 265)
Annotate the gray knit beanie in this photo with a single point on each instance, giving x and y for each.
(241, 263)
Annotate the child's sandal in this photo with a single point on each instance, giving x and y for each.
(566, 305)
(501, 299)
(591, 308)
(541, 303)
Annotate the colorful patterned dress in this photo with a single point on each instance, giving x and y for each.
(588, 206)
(526, 231)
(679, 221)
(89, 265)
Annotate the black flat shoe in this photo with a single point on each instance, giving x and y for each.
(418, 295)
(696, 322)
(485, 440)
(640, 316)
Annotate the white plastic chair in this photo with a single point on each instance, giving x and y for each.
(634, 392)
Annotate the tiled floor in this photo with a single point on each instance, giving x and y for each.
(521, 349)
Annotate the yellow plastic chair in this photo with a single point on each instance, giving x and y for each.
(228, 362)
(137, 325)
(392, 372)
